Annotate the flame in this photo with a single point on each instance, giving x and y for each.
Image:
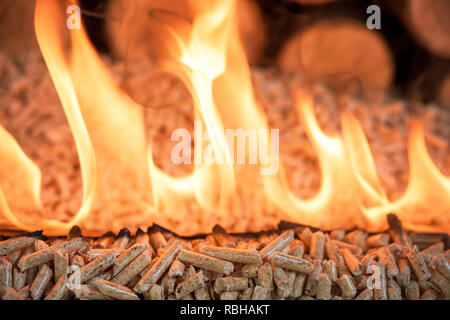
(119, 172)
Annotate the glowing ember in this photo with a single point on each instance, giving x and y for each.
(118, 168)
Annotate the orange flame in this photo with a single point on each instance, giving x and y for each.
(117, 166)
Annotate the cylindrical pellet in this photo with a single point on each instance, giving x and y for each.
(289, 262)
(206, 262)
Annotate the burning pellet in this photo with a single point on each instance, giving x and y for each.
(19, 278)
(380, 285)
(260, 293)
(412, 291)
(5, 275)
(157, 240)
(338, 234)
(429, 294)
(24, 293)
(358, 238)
(155, 272)
(223, 239)
(353, 248)
(93, 268)
(229, 295)
(230, 283)
(404, 273)
(265, 276)
(442, 265)
(232, 254)
(88, 292)
(329, 267)
(345, 282)
(189, 285)
(334, 254)
(40, 282)
(317, 244)
(418, 264)
(11, 294)
(60, 262)
(202, 293)
(277, 244)
(443, 284)
(305, 236)
(115, 290)
(389, 261)
(366, 294)
(393, 290)
(143, 238)
(289, 262)
(129, 255)
(133, 269)
(176, 269)
(57, 292)
(106, 240)
(246, 294)
(46, 255)
(206, 262)
(396, 231)
(352, 262)
(323, 287)
(14, 244)
(250, 270)
(155, 293)
(378, 240)
(211, 240)
(299, 284)
(122, 239)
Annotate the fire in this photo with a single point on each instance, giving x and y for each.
(122, 185)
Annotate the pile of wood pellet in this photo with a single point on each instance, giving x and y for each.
(293, 262)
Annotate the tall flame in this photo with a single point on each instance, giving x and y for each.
(122, 185)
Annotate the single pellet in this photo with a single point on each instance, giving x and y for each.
(14, 256)
(334, 254)
(93, 268)
(206, 262)
(13, 244)
(156, 270)
(88, 292)
(24, 293)
(305, 236)
(393, 290)
(60, 263)
(189, 285)
(297, 248)
(299, 284)
(168, 284)
(176, 269)
(338, 234)
(155, 293)
(389, 261)
(133, 269)
(289, 262)
(404, 273)
(323, 287)
(157, 240)
(5, 275)
(40, 245)
(279, 243)
(317, 245)
(246, 294)
(418, 264)
(329, 267)
(229, 295)
(429, 294)
(250, 270)
(260, 293)
(46, 255)
(442, 265)
(347, 286)
(380, 288)
(57, 292)
(19, 278)
(230, 283)
(202, 293)
(40, 282)
(115, 290)
(353, 248)
(441, 282)
(265, 276)
(352, 262)
(122, 239)
(366, 294)
(11, 294)
(412, 291)
(232, 254)
(313, 277)
(358, 238)
(378, 240)
(129, 255)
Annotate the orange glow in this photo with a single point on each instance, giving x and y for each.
(122, 185)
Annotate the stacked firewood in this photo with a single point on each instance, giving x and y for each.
(294, 262)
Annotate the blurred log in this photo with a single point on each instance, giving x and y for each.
(17, 26)
(427, 21)
(127, 25)
(334, 51)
